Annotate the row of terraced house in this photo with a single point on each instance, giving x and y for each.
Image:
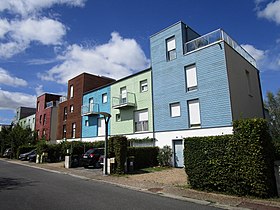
(196, 86)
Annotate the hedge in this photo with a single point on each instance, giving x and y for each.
(144, 157)
(240, 164)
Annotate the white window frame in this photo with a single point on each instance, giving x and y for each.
(175, 109)
(73, 130)
(143, 86)
(141, 120)
(194, 113)
(171, 48)
(191, 77)
(71, 91)
(101, 127)
(71, 108)
(104, 98)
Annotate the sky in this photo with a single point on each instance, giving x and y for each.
(44, 43)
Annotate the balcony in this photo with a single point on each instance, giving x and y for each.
(216, 37)
(141, 126)
(123, 101)
(90, 109)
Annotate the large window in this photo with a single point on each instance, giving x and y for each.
(191, 78)
(73, 130)
(90, 101)
(171, 48)
(141, 120)
(194, 113)
(175, 110)
(71, 91)
(143, 86)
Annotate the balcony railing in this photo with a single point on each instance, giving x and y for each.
(62, 99)
(215, 37)
(90, 109)
(123, 100)
(141, 126)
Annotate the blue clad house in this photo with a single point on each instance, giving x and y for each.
(200, 85)
(93, 125)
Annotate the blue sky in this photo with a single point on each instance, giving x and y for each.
(45, 43)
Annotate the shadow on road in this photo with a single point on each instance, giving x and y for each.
(11, 184)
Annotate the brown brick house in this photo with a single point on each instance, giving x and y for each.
(69, 111)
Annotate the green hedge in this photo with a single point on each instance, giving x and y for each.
(144, 157)
(117, 147)
(240, 164)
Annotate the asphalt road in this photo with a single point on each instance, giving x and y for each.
(22, 187)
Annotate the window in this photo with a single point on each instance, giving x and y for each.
(143, 86)
(64, 131)
(118, 117)
(45, 119)
(141, 120)
(40, 119)
(38, 106)
(101, 127)
(72, 108)
(123, 93)
(71, 91)
(194, 113)
(175, 110)
(171, 48)
(65, 113)
(104, 98)
(86, 123)
(249, 82)
(44, 133)
(90, 102)
(191, 78)
(73, 133)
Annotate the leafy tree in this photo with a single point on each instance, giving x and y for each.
(273, 106)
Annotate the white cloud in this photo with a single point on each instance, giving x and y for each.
(39, 90)
(7, 79)
(31, 7)
(117, 58)
(257, 54)
(270, 12)
(12, 100)
(17, 35)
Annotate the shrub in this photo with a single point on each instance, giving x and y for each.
(240, 164)
(118, 148)
(164, 156)
(144, 157)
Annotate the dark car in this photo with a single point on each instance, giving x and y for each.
(32, 157)
(8, 153)
(25, 155)
(92, 157)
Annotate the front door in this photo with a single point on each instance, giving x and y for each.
(178, 153)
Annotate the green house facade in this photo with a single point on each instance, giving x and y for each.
(131, 106)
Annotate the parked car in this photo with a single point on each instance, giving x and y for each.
(32, 157)
(93, 157)
(25, 155)
(8, 153)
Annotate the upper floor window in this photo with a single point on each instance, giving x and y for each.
(71, 91)
(143, 86)
(194, 113)
(123, 93)
(38, 106)
(86, 123)
(191, 78)
(175, 110)
(71, 108)
(64, 131)
(171, 48)
(45, 119)
(40, 119)
(104, 98)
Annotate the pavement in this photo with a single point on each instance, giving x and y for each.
(168, 183)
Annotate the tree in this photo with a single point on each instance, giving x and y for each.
(273, 106)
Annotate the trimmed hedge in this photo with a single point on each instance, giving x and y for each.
(117, 147)
(144, 157)
(240, 164)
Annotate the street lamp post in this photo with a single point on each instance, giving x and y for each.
(107, 117)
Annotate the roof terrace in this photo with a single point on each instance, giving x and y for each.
(214, 38)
